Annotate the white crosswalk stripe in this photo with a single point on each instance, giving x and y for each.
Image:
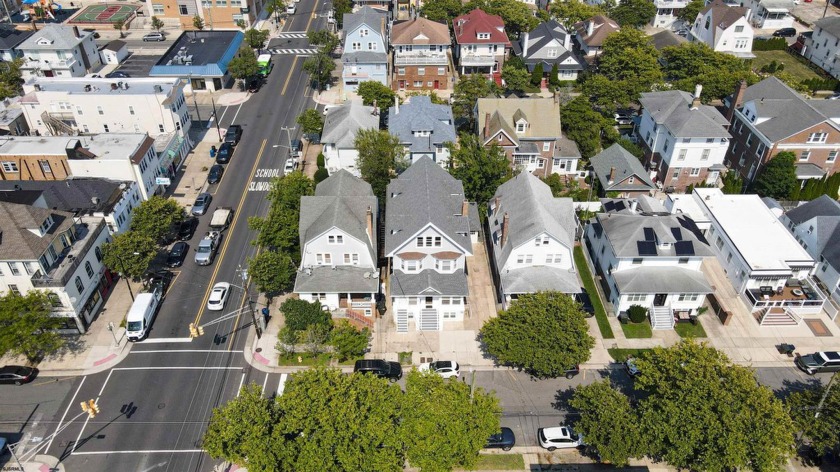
(290, 35)
(297, 52)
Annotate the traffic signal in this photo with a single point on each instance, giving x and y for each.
(193, 331)
(200, 330)
(90, 407)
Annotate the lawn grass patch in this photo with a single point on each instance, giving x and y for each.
(500, 462)
(621, 354)
(637, 330)
(589, 285)
(304, 359)
(690, 330)
(792, 66)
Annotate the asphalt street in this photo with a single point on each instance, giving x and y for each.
(156, 403)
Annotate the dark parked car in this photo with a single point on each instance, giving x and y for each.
(117, 75)
(17, 374)
(585, 303)
(224, 153)
(177, 254)
(233, 135)
(187, 228)
(631, 368)
(215, 174)
(160, 279)
(385, 369)
(503, 440)
(785, 33)
(254, 84)
(202, 204)
(811, 364)
(572, 372)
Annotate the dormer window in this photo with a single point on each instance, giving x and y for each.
(46, 225)
(423, 133)
(483, 35)
(521, 125)
(44, 42)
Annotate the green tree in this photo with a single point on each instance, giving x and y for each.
(321, 175)
(466, 93)
(689, 13)
(279, 229)
(244, 65)
(372, 92)
(695, 63)
(628, 56)
(27, 327)
(777, 178)
(255, 38)
(156, 217)
(119, 25)
(554, 76)
(320, 68)
(823, 429)
(480, 168)
(348, 341)
(325, 39)
(537, 75)
(572, 11)
(381, 156)
(238, 431)
(442, 11)
(300, 314)
(273, 272)
(544, 333)
(198, 23)
(157, 23)
(607, 421)
(130, 253)
(633, 13)
(341, 7)
(515, 79)
(732, 183)
(311, 121)
(606, 94)
(275, 7)
(693, 391)
(444, 425)
(10, 78)
(577, 118)
(354, 417)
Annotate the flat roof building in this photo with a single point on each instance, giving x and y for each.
(202, 57)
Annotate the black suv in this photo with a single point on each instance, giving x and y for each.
(233, 135)
(187, 228)
(389, 370)
(224, 153)
(177, 254)
(503, 440)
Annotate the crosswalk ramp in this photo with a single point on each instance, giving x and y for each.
(292, 35)
(295, 52)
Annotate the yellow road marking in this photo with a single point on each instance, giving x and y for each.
(312, 17)
(221, 255)
(289, 77)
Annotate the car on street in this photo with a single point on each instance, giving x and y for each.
(117, 75)
(504, 440)
(826, 361)
(161, 279)
(224, 153)
(215, 174)
(785, 33)
(187, 228)
(202, 204)
(154, 36)
(233, 134)
(631, 368)
(219, 296)
(380, 368)
(558, 437)
(177, 254)
(254, 84)
(296, 149)
(445, 369)
(17, 374)
(291, 9)
(290, 166)
(572, 371)
(836, 96)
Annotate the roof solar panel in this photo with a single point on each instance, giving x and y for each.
(646, 248)
(650, 234)
(684, 248)
(677, 234)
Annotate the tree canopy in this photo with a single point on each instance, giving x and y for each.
(572, 11)
(466, 93)
(244, 65)
(777, 179)
(325, 39)
(255, 38)
(300, 314)
(27, 326)
(273, 272)
(633, 13)
(156, 217)
(823, 429)
(311, 121)
(279, 229)
(689, 13)
(544, 333)
(442, 11)
(381, 156)
(130, 253)
(581, 123)
(372, 92)
(320, 68)
(10, 78)
(515, 79)
(628, 56)
(693, 63)
(607, 421)
(480, 168)
(517, 15)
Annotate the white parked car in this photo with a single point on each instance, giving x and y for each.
(291, 165)
(291, 9)
(445, 369)
(558, 437)
(219, 296)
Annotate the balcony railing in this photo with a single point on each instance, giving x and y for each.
(407, 58)
(61, 271)
(49, 65)
(478, 59)
(805, 299)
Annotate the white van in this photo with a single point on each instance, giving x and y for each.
(142, 314)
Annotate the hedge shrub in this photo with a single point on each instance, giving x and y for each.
(637, 313)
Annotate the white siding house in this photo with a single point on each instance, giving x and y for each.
(724, 28)
(824, 45)
(339, 135)
(59, 51)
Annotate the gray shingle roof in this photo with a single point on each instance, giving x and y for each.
(10, 37)
(373, 18)
(824, 214)
(429, 282)
(363, 57)
(342, 204)
(661, 280)
(425, 194)
(420, 114)
(342, 278)
(57, 37)
(17, 242)
(820, 206)
(73, 195)
(673, 110)
(625, 231)
(626, 165)
(540, 279)
(538, 40)
(664, 39)
(342, 124)
(831, 25)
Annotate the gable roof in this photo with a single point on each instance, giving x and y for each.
(664, 39)
(17, 242)
(115, 45)
(342, 123)
(723, 15)
(10, 37)
(673, 110)
(820, 206)
(542, 115)
(78, 196)
(58, 37)
(628, 232)
(539, 39)
(467, 27)
(342, 184)
(830, 24)
(601, 28)
(783, 112)
(425, 194)
(420, 114)
(419, 31)
(373, 18)
(626, 165)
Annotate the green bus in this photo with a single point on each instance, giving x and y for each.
(264, 60)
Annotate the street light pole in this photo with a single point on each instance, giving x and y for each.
(216, 118)
(125, 276)
(195, 102)
(244, 275)
(288, 131)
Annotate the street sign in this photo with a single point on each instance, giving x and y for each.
(163, 181)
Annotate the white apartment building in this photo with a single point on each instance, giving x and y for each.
(770, 14)
(667, 12)
(53, 251)
(59, 51)
(823, 46)
(59, 106)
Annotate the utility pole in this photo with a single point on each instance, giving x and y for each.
(216, 118)
(195, 102)
(825, 395)
(244, 274)
(288, 131)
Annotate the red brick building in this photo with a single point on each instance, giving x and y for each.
(421, 55)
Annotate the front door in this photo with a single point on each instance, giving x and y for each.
(402, 84)
(430, 302)
(437, 84)
(659, 299)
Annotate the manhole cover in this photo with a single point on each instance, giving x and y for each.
(161, 406)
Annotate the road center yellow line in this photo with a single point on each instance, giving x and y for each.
(236, 217)
(289, 77)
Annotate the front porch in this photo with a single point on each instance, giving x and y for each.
(799, 296)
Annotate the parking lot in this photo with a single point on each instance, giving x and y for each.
(137, 65)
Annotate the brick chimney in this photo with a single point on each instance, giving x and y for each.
(505, 224)
(486, 124)
(737, 99)
(612, 175)
(369, 220)
(465, 208)
(497, 202)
